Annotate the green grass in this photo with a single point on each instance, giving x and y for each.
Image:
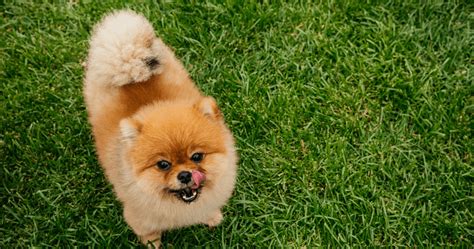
(353, 122)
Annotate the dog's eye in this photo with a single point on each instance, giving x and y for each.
(164, 165)
(197, 157)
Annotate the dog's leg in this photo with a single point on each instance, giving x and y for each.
(148, 236)
(152, 240)
(215, 219)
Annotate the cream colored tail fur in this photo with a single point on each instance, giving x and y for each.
(123, 50)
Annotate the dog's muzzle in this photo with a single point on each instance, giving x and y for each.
(189, 194)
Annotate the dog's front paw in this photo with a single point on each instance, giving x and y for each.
(152, 240)
(215, 220)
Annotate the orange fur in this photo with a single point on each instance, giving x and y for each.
(163, 116)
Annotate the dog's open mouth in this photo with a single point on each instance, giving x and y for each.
(187, 194)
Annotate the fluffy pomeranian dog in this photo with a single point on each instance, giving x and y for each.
(164, 146)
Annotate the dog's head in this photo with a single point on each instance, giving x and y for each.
(177, 150)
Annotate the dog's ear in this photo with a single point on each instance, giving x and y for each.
(208, 107)
(129, 129)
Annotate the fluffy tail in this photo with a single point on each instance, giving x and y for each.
(123, 50)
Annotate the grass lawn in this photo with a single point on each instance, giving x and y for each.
(353, 122)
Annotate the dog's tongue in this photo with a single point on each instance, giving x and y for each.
(198, 178)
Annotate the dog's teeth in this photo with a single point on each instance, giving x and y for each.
(188, 195)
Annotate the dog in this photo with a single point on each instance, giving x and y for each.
(163, 145)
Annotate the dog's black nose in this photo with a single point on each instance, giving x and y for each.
(184, 176)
